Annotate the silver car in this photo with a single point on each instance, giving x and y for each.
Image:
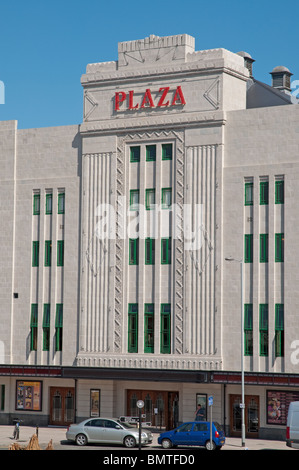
(106, 431)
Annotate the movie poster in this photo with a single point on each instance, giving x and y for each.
(278, 405)
(28, 396)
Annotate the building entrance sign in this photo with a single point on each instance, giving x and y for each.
(156, 99)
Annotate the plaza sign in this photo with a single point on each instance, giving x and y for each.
(127, 101)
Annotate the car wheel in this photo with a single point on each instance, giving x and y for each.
(210, 446)
(166, 444)
(129, 441)
(81, 440)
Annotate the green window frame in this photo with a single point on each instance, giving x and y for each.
(166, 250)
(279, 192)
(264, 330)
(36, 204)
(134, 199)
(166, 198)
(279, 247)
(133, 251)
(58, 327)
(133, 328)
(248, 248)
(264, 247)
(165, 329)
(150, 198)
(48, 252)
(279, 330)
(149, 328)
(248, 329)
(46, 327)
(149, 251)
(264, 192)
(60, 252)
(151, 152)
(135, 153)
(167, 151)
(61, 203)
(248, 194)
(35, 254)
(49, 201)
(33, 327)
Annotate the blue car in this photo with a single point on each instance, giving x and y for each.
(195, 433)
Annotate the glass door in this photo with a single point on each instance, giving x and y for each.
(251, 416)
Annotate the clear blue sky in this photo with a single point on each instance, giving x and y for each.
(46, 45)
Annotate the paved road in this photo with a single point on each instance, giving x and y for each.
(57, 435)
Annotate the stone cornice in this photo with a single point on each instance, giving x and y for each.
(146, 361)
(173, 121)
(215, 66)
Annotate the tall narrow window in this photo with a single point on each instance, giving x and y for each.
(35, 254)
(150, 198)
(279, 192)
(263, 328)
(248, 255)
(264, 192)
(58, 327)
(166, 251)
(33, 327)
(49, 200)
(133, 328)
(264, 248)
(279, 247)
(134, 199)
(166, 151)
(46, 327)
(150, 153)
(166, 198)
(149, 328)
(248, 194)
(48, 252)
(165, 331)
(61, 203)
(36, 204)
(60, 252)
(279, 330)
(133, 251)
(135, 154)
(149, 251)
(248, 330)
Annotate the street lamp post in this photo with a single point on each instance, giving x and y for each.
(242, 404)
(140, 405)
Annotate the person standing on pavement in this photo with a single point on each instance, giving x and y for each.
(199, 415)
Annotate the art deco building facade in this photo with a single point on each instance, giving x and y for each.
(115, 233)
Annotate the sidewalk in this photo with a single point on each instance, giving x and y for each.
(45, 434)
(57, 435)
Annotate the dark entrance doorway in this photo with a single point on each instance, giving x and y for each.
(161, 408)
(62, 406)
(252, 413)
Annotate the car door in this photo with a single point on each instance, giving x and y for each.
(95, 430)
(200, 433)
(114, 433)
(182, 434)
